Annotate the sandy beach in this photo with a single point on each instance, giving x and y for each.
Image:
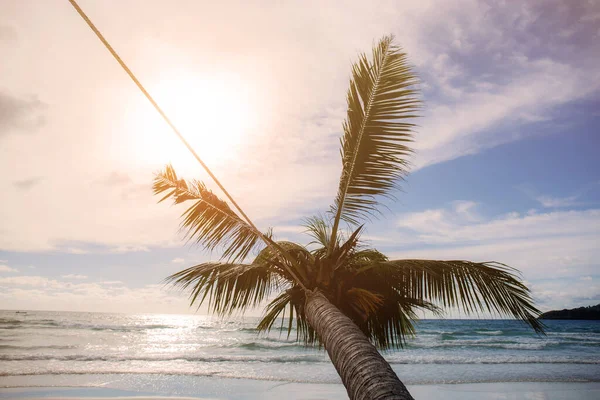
(225, 389)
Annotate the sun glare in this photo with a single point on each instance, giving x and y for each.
(214, 114)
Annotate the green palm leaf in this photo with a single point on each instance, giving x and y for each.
(210, 220)
(297, 264)
(319, 230)
(370, 296)
(376, 141)
(292, 299)
(227, 287)
(470, 286)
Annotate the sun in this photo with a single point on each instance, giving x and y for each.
(213, 113)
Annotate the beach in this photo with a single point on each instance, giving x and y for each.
(226, 389)
(98, 355)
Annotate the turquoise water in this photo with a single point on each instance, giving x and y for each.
(86, 348)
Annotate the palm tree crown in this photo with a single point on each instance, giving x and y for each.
(379, 295)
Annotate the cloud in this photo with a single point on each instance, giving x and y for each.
(116, 178)
(26, 184)
(118, 224)
(178, 260)
(548, 201)
(490, 71)
(6, 268)
(116, 283)
(129, 249)
(7, 33)
(461, 213)
(557, 202)
(591, 17)
(37, 292)
(555, 295)
(452, 226)
(22, 115)
(489, 115)
(33, 280)
(74, 276)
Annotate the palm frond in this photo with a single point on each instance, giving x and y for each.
(296, 266)
(227, 287)
(393, 322)
(292, 299)
(319, 230)
(364, 257)
(376, 140)
(345, 252)
(363, 301)
(470, 286)
(210, 221)
(373, 301)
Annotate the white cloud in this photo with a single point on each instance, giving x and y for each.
(459, 128)
(129, 249)
(591, 17)
(37, 292)
(178, 260)
(115, 283)
(35, 281)
(461, 213)
(548, 201)
(557, 202)
(74, 276)
(556, 295)
(586, 278)
(451, 226)
(6, 268)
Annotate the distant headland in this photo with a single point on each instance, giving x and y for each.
(590, 312)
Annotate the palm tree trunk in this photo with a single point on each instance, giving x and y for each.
(364, 372)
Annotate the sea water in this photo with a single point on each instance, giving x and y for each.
(180, 347)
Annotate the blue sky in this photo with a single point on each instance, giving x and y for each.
(505, 169)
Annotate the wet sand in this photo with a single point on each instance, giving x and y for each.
(226, 389)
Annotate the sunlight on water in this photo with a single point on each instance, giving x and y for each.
(55, 343)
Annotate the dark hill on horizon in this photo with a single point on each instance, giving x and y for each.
(590, 312)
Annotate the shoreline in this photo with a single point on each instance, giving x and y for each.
(184, 374)
(247, 389)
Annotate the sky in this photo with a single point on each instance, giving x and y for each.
(506, 166)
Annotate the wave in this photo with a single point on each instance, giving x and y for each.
(299, 358)
(14, 347)
(207, 359)
(288, 378)
(495, 342)
(52, 324)
(120, 372)
(9, 321)
(483, 345)
(273, 345)
(490, 361)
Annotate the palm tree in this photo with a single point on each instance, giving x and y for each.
(338, 292)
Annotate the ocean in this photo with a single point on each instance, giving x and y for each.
(44, 348)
